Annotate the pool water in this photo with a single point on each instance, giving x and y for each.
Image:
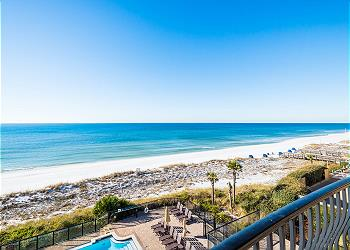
(110, 243)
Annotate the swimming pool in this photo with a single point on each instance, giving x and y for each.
(110, 243)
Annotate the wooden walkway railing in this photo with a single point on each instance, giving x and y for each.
(320, 220)
(316, 157)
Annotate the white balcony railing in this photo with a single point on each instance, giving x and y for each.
(320, 220)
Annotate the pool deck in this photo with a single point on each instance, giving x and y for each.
(140, 227)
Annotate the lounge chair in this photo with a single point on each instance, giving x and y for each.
(187, 216)
(198, 248)
(160, 230)
(183, 215)
(188, 245)
(159, 224)
(196, 245)
(167, 236)
(177, 207)
(176, 245)
(192, 243)
(177, 211)
(171, 240)
(158, 227)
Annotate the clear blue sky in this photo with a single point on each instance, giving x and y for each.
(174, 61)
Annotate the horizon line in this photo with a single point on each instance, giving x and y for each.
(18, 123)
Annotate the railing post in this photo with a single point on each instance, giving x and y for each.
(37, 242)
(53, 238)
(95, 225)
(82, 229)
(204, 228)
(19, 245)
(68, 233)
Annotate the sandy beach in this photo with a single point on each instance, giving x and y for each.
(24, 180)
(157, 176)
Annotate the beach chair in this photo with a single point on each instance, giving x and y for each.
(176, 245)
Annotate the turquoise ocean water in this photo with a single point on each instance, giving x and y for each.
(41, 145)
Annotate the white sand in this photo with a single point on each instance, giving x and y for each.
(22, 180)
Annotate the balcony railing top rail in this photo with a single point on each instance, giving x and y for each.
(334, 199)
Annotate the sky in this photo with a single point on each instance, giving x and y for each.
(174, 61)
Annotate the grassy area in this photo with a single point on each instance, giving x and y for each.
(265, 198)
(334, 167)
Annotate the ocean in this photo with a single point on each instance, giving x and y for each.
(26, 146)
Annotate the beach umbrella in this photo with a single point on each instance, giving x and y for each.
(166, 217)
(184, 227)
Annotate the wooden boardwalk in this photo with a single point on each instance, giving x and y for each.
(316, 156)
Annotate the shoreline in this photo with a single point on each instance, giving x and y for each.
(32, 179)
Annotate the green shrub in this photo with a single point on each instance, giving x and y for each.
(215, 210)
(252, 196)
(222, 217)
(343, 164)
(278, 199)
(334, 167)
(295, 185)
(219, 193)
(290, 187)
(312, 172)
(109, 203)
(184, 196)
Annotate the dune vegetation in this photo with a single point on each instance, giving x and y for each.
(249, 198)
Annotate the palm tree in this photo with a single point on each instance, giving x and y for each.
(230, 195)
(235, 167)
(212, 177)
